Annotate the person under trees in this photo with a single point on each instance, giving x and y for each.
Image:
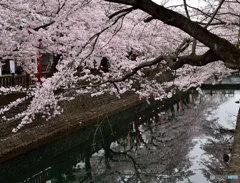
(53, 66)
(196, 41)
(104, 64)
(19, 70)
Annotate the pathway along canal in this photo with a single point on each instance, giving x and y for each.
(182, 142)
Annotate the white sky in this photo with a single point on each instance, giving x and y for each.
(176, 2)
(193, 3)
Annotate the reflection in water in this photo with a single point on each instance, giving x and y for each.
(182, 142)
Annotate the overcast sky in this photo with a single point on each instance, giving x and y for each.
(172, 2)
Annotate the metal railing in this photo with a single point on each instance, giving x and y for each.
(26, 80)
(19, 80)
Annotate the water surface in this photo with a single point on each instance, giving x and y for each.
(183, 141)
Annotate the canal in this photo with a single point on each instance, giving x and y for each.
(183, 140)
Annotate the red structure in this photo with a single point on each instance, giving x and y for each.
(39, 61)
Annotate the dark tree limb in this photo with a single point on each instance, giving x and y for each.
(148, 19)
(44, 26)
(194, 60)
(127, 10)
(186, 9)
(225, 50)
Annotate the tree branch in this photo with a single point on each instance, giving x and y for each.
(194, 60)
(148, 19)
(127, 10)
(225, 50)
(183, 46)
(140, 66)
(214, 14)
(44, 26)
(185, 7)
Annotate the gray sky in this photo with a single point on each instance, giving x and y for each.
(175, 2)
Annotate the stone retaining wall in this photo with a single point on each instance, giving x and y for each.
(234, 167)
(23, 149)
(49, 141)
(79, 113)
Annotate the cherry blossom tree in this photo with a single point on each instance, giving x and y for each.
(191, 42)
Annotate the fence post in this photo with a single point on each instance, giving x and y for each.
(13, 80)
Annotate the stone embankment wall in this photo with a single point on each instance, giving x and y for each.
(84, 141)
(79, 113)
(234, 167)
(43, 143)
(48, 155)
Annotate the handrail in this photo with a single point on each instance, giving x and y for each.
(26, 80)
(19, 80)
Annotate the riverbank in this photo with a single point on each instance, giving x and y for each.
(80, 113)
(75, 115)
(82, 143)
(234, 167)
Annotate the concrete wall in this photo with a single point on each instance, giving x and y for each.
(50, 153)
(48, 140)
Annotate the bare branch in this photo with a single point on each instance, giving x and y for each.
(127, 10)
(214, 14)
(149, 19)
(183, 46)
(185, 7)
(44, 26)
(60, 7)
